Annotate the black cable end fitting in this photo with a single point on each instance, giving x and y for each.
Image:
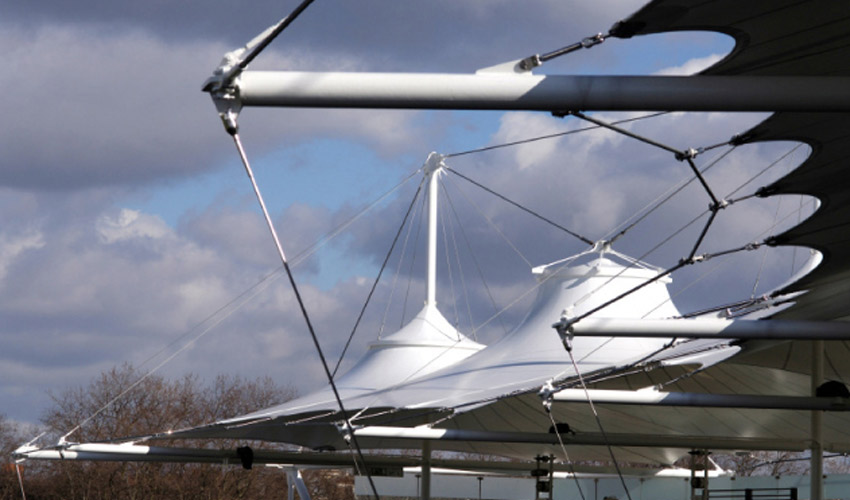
(530, 62)
(775, 241)
(765, 191)
(740, 139)
(626, 29)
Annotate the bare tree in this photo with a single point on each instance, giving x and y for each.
(145, 405)
(764, 463)
(10, 439)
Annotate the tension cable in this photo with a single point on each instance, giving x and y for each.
(378, 277)
(687, 155)
(480, 275)
(550, 136)
(569, 350)
(517, 205)
(233, 131)
(495, 228)
(662, 199)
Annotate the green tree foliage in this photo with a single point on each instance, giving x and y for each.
(148, 405)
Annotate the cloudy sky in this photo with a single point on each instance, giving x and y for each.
(128, 228)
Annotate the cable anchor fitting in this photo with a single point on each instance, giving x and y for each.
(547, 395)
(346, 430)
(564, 327)
(536, 60)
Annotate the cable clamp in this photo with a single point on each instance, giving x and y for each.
(593, 40)
(720, 205)
(564, 327)
(689, 154)
(693, 260)
(547, 394)
(753, 246)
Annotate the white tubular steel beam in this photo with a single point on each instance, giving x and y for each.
(508, 91)
(588, 439)
(713, 328)
(126, 453)
(658, 398)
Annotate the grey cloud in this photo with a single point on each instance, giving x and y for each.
(107, 102)
(402, 34)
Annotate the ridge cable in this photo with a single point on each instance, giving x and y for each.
(527, 210)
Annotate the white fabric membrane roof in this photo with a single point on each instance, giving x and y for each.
(453, 383)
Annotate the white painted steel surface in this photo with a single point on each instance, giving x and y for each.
(542, 92)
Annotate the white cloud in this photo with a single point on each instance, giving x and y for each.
(128, 224)
(13, 245)
(690, 67)
(94, 285)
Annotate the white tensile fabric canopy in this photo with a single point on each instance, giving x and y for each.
(428, 373)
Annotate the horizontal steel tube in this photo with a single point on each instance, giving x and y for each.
(543, 92)
(590, 439)
(713, 328)
(657, 398)
(321, 459)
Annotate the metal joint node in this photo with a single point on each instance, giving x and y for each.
(343, 429)
(693, 260)
(228, 105)
(720, 205)
(547, 394)
(434, 163)
(564, 327)
(689, 154)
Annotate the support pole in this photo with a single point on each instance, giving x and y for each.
(426, 470)
(816, 467)
(433, 169)
(293, 477)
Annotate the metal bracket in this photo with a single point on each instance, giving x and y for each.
(547, 395)
(343, 428)
(564, 327)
